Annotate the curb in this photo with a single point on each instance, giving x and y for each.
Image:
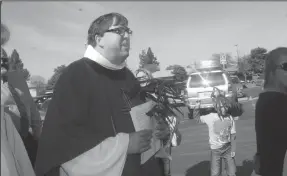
(247, 99)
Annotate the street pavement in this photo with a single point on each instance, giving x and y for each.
(192, 157)
(252, 91)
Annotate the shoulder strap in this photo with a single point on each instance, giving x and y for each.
(22, 109)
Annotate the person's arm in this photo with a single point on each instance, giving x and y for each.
(197, 115)
(233, 139)
(107, 158)
(235, 109)
(24, 120)
(16, 150)
(36, 122)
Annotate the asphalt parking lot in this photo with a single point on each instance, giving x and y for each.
(192, 157)
(252, 91)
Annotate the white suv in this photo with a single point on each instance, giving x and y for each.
(200, 86)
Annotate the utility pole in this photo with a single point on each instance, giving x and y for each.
(238, 62)
(237, 54)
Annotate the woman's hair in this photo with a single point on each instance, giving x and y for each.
(219, 101)
(5, 34)
(271, 61)
(102, 24)
(5, 64)
(3, 53)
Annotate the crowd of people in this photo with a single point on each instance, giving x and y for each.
(88, 129)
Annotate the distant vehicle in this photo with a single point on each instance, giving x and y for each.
(235, 79)
(45, 104)
(259, 82)
(49, 92)
(39, 100)
(200, 86)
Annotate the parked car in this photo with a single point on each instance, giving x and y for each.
(200, 86)
(45, 104)
(39, 100)
(258, 80)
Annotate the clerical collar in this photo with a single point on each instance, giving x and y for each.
(94, 55)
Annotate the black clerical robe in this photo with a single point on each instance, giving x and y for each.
(90, 103)
(271, 133)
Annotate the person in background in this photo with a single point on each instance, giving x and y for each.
(14, 157)
(222, 132)
(24, 114)
(271, 116)
(28, 110)
(14, 106)
(88, 129)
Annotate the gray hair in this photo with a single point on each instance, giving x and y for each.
(102, 24)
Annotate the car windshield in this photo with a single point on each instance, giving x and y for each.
(213, 79)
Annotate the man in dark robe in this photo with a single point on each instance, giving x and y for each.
(88, 130)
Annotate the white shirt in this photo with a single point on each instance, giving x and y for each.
(219, 130)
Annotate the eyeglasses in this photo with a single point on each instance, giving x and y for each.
(283, 66)
(121, 31)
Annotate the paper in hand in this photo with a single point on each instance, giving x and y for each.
(141, 122)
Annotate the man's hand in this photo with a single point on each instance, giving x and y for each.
(139, 141)
(232, 154)
(162, 130)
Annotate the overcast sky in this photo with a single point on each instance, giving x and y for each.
(48, 34)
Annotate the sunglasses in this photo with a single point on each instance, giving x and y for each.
(121, 31)
(283, 66)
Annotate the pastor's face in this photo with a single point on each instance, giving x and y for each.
(116, 43)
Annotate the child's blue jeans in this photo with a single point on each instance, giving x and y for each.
(217, 155)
